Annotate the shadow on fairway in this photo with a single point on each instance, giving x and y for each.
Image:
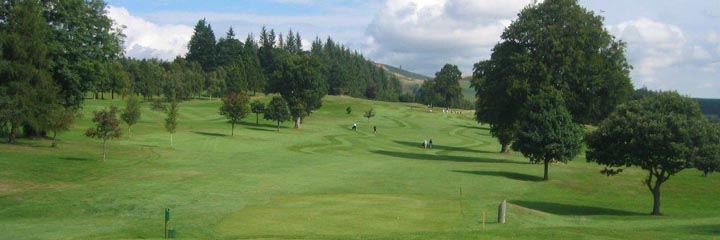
(266, 125)
(706, 229)
(75, 159)
(442, 147)
(274, 129)
(432, 157)
(572, 210)
(473, 127)
(510, 175)
(210, 134)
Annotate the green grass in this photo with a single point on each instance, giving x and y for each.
(328, 182)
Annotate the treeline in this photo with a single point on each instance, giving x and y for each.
(216, 68)
(52, 52)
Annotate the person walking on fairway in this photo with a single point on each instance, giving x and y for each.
(354, 127)
(374, 129)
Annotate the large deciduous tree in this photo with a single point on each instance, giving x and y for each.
(106, 127)
(83, 42)
(299, 82)
(554, 44)
(447, 85)
(277, 110)
(234, 108)
(662, 134)
(547, 131)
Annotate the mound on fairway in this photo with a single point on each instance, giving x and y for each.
(326, 181)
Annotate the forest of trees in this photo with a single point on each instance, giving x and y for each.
(56, 53)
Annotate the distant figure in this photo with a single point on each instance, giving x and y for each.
(425, 144)
(354, 127)
(430, 143)
(374, 129)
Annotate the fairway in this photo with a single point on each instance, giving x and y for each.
(325, 181)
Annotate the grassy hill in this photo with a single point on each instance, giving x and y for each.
(409, 80)
(328, 182)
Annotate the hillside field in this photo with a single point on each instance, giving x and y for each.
(326, 181)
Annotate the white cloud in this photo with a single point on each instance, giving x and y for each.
(426, 34)
(699, 53)
(145, 39)
(714, 38)
(652, 45)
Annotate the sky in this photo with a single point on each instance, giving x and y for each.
(671, 44)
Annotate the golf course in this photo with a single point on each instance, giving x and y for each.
(326, 181)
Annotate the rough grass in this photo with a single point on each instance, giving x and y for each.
(327, 182)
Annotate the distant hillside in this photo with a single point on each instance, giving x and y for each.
(709, 107)
(467, 90)
(408, 80)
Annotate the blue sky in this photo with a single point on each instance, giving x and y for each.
(672, 44)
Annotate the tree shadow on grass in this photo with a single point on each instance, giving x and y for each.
(474, 127)
(266, 125)
(510, 175)
(700, 229)
(75, 159)
(209, 134)
(432, 157)
(572, 210)
(263, 129)
(442, 147)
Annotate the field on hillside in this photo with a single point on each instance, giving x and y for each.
(328, 182)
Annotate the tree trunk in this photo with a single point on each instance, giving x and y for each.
(102, 95)
(545, 177)
(54, 144)
(504, 148)
(96, 95)
(257, 118)
(298, 123)
(171, 140)
(278, 126)
(104, 155)
(656, 201)
(13, 132)
(112, 94)
(232, 131)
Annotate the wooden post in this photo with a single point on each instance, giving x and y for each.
(501, 212)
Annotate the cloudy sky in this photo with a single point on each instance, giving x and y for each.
(672, 44)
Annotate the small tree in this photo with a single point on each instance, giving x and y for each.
(662, 134)
(547, 131)
(107, 126)
(234, 108)
(132, 113)
(348, 110)
(257, 107)
(171, 120)
(277, 110)
(59, 119)
(369, 114)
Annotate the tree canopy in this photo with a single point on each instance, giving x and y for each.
(106, 127)
(556, 44)
(277, 110)
(547, 131)
(235, 107)
(662, 134)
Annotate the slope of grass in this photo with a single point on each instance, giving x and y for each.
(327, 182)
